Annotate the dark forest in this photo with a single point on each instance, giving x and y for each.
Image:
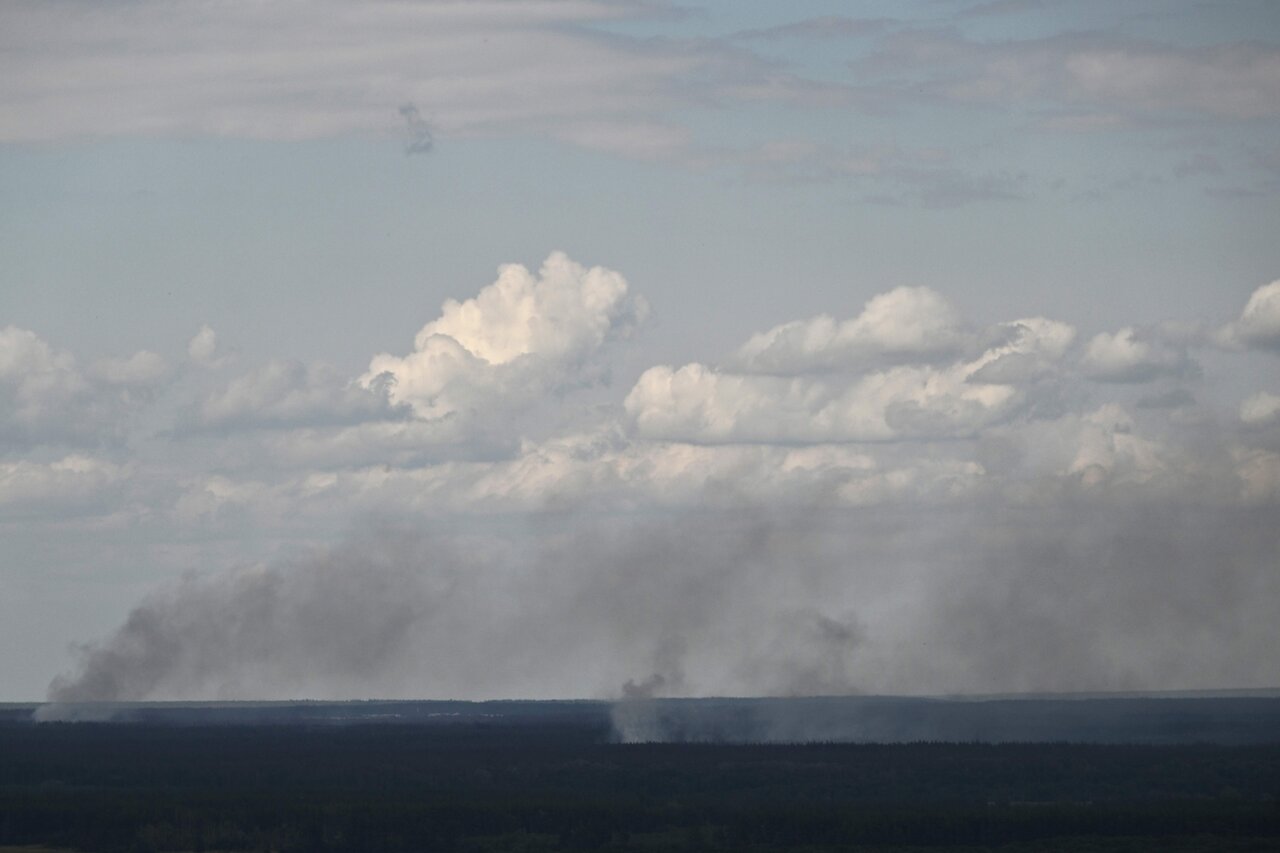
(559, 780)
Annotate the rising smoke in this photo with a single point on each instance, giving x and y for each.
(887, 601)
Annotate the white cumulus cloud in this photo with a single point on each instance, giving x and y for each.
(47, 398)
(1032, 348)
(1130, 356)
(817, 380)
(43, 394)
(202, 349)
(1258, 325)
(701, 404)
(906, 321)
(520, 337)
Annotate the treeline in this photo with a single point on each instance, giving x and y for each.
(336, 823)
(565, 787)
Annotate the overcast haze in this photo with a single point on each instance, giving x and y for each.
(591, 349)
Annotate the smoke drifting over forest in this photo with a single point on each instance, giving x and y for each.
(1069, 597)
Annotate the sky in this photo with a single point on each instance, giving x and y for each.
(609, 348)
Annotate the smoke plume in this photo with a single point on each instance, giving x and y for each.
(887, 601)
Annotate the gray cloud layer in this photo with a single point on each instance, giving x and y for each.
(1101, 78)
(262, 71)
(563, 70)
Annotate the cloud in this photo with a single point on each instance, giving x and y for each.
(904, 402)
(260, 71)
(701, 404)
(1174, 398)
(1261, 409)
(217, 498)
(203, 348)
(142, 369)
(828, 26)
(44, 397)
(71, 486)
(1258, 472)
(1108, 449)
(521, 337)
(288, 393)
(1032, 349)
(1090, 74)
(598, 472)
(1004, 7)
(905, 322)
(480, 363)
(639, 140)
(400, 442)
(34, 372)
(894, 174)
(1258, 326)
(818, 380)
(1131, 355)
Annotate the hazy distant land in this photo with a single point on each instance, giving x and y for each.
(1225, 717)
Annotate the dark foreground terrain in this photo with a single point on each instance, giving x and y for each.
(552, 776)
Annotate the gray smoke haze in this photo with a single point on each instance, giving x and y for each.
(888, 601)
